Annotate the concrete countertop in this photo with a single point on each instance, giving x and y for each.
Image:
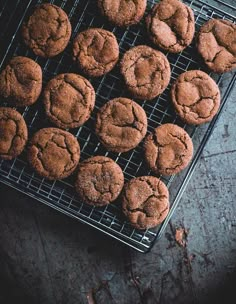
(47, 258)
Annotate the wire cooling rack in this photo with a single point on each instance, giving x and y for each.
(60, 194)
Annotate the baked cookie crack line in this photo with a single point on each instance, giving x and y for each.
(100, 191)
(17, 78)
(141, 208)
(215, 56)
(15, 136)
(39, 154)
(64, 148)
(99, 162)
(119, 7)
(212, 31)
(136, 121)
(170, 169)
(77, 89)
(8, 91)
(190, 107)
(155, 140)
(180, 139)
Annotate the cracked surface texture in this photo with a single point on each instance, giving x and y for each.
(121, 124)
(145, 201)
(53, 153)
(99, 180)
(47, 31)
(96, 51)
(123, 12)
(216, 42)
(21, 81)
(13, 133)
(146, 72)
(69, 100)
(170, 25)
(196, 97)
(168, 150)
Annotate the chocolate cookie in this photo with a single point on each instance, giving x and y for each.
(96, 51)
(168, 150)
(47, 31)
(171, 25)
(99, 180)
(123, 12)
(146, 72)
(121, 124)
(145, 201)
(216, 42)
(13, 133)
(53, 153)
(196, 97)
(21, 81)
(69, 100)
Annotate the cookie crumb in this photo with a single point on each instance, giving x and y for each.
(181, 236)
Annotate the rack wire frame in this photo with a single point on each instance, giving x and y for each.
(60, 194)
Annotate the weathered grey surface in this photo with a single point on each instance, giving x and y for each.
(48, 258)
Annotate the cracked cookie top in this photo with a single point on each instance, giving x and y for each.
(21, 81)
(13, 133)
(123, 12)
(196, 97)
(53, 153)
(69, 100)
(171, 25)
(96, 51)
(99, 180)
(145, 201)
(121, 124)
(47, 31)
(216, 42)
(146, 72)
(168, 150)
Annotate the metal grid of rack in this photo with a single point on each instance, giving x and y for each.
(60, 194)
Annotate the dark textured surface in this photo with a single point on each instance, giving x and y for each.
(48, 258)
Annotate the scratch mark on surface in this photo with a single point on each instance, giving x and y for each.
(220, 153)
(46, 259)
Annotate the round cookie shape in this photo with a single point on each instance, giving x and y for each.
(146, 72)
(123, 12)
(13, 133)
(216, 43)
(121, 124)
(145, 201)
(47, 31)
(168, 150)
(21, 81)
(171, 25)
(69, 100)
(53, 153)
(196, 97)
(99, 180)
(96, 51)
